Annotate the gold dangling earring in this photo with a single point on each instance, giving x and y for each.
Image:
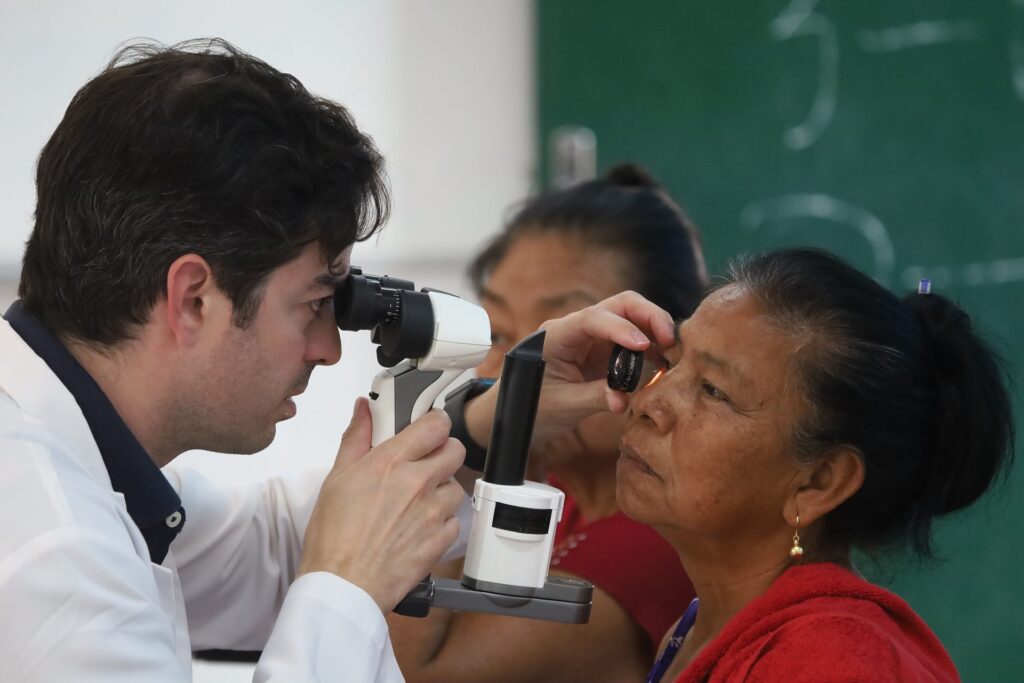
(796, 551)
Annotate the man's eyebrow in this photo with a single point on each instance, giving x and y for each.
(327, 281)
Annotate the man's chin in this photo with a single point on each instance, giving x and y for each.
(252, 442)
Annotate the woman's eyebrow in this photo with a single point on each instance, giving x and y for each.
(492, 297)
(725, 366)
(560, 300)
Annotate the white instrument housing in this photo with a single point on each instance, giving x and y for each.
(504, 560)
(461, 340)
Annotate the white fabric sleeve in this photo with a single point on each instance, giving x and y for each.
(240, 549)
(237, 554)
(328, 629)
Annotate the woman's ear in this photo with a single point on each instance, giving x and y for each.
(825, 484)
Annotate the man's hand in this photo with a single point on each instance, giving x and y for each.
(577, 348)
(386, 515)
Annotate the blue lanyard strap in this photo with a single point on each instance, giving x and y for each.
(674, 643)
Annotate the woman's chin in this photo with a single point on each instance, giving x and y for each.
(630, 500)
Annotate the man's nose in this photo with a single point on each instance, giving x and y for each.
(324, 344)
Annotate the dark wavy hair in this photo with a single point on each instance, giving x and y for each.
(626, 212)
(195, 148)
(907, 383)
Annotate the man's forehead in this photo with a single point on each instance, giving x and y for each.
(312, 271)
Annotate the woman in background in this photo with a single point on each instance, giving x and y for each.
(562, 252)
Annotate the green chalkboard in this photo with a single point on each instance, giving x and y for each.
(889, 131)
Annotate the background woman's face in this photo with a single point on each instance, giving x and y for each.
(542, 277)
(707, 450)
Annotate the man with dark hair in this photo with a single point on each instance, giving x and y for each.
(196, 210)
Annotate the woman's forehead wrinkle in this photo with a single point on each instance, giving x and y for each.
(730, 369)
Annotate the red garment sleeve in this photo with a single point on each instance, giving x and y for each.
(631, 563)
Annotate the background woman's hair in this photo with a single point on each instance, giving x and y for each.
(906, 382)
(196, 148)
(628, 213)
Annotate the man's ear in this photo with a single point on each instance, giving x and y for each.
(191, 297)
(825, 484)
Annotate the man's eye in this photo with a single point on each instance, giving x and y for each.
(317, 305)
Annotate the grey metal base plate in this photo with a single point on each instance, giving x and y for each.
(561, 599)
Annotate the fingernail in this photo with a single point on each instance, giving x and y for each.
(640, 338)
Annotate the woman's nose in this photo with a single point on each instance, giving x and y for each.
(651, 404)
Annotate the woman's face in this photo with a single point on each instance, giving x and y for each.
(543, 277)
(706, 451)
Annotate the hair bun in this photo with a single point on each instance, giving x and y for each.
(632, 175)
(971, 440)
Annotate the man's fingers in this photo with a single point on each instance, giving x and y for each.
(626, 319)
(573, 402)
(441, 465)
(651, 318)
(355, 442)
(451, 496)
(423, 436)
(616, 401)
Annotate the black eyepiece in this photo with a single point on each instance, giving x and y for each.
(401, 318)
(625, 368)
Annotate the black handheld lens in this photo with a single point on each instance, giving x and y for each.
(625, 368)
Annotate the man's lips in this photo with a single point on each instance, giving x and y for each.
(629, 454)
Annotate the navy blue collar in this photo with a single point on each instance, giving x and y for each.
(152, 503)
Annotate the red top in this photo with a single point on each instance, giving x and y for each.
(627, 560)
(821, 623)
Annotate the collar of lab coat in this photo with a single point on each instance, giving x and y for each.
(28, 380)
(151, 501)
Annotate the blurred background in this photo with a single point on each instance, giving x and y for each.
(889, 131)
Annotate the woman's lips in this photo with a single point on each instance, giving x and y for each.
(630, 456)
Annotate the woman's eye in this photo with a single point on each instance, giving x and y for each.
(499, 339)
(318, 305)
(712, 391)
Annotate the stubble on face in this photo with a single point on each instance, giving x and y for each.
(238, 395)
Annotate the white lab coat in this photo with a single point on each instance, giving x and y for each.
(81, 601)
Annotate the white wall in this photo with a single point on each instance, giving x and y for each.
(445, 88)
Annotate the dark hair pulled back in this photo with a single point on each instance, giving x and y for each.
(196, 148)
(626, 212)
(907, 383)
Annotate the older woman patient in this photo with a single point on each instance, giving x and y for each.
(806, 411)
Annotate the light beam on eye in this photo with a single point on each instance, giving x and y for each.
(657, 376)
